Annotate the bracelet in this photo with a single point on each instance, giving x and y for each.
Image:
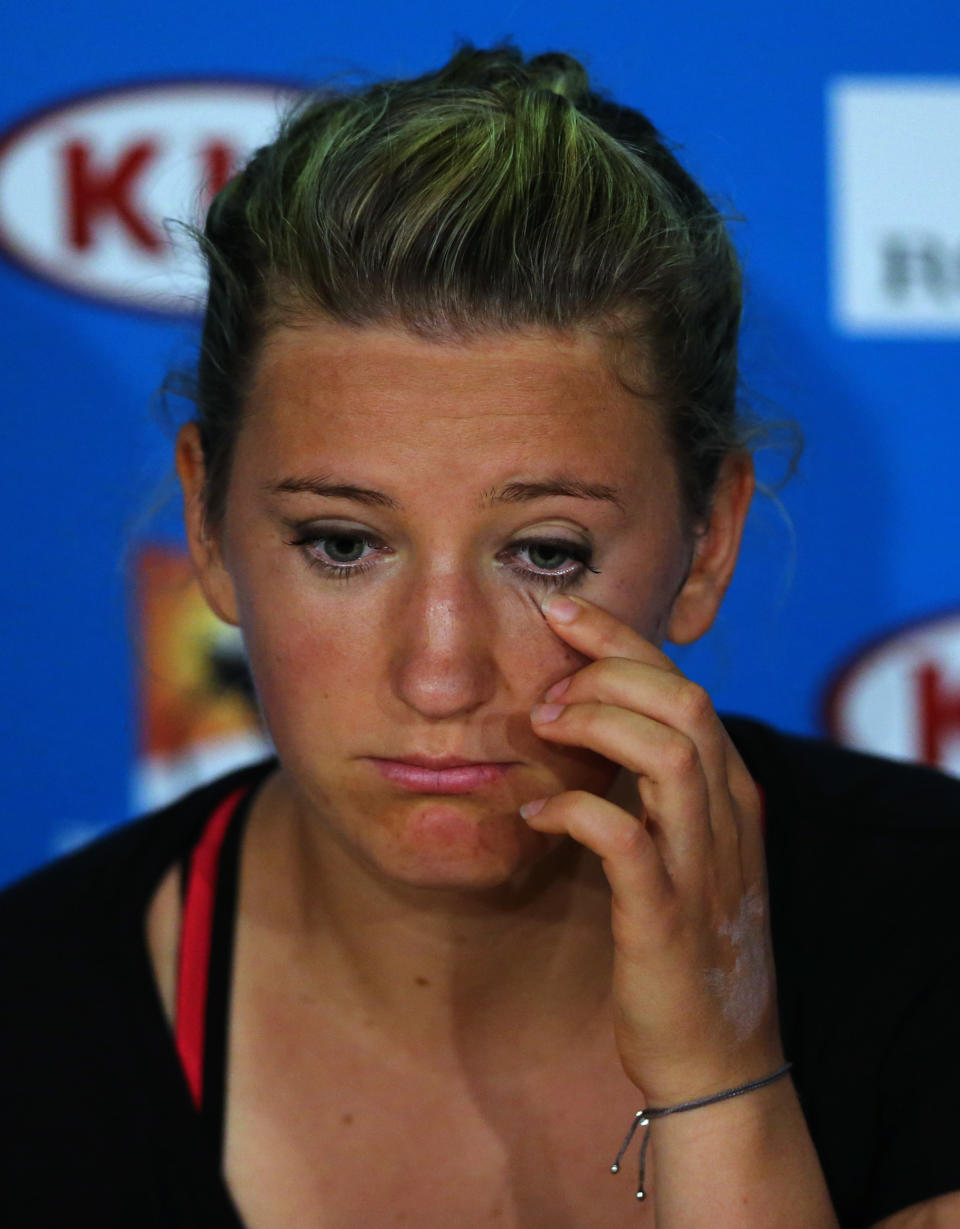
(644, 1117)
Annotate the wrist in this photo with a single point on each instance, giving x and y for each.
(692, 1081)
(758, 1120)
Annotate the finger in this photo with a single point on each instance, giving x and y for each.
(631, 861)
(676, 702)
(596, 632)
(749, 805)
(685, 706)
(671, 697)
(671, 781)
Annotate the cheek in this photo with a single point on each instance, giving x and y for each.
(641, 591)
(529, 654)
(311, 666)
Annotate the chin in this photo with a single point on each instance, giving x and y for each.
(445, 844)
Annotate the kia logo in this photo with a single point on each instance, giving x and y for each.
(900, 696)
(92, 189)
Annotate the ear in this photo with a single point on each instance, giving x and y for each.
(202, 540)
(716, 552)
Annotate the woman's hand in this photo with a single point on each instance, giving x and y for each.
(693, 974)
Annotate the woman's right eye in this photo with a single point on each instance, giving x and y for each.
(339, 554)
(343, 548)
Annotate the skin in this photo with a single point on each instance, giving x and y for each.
(445, 644)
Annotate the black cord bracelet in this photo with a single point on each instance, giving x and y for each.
(644, 1117)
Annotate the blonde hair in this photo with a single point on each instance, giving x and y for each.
(493, 194)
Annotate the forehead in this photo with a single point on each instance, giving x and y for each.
(478, 407)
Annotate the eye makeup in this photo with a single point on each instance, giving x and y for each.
(337, 553)
(344, 560)
(573, 570)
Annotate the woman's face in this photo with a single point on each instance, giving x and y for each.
(397, 510)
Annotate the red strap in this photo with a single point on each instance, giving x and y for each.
(195, 937)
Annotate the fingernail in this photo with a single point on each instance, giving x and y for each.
(561, 608)
(546, 712)
(557, 690)
(529, 809)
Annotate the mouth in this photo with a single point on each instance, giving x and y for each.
(422, 774)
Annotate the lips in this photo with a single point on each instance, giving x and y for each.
(441, 775)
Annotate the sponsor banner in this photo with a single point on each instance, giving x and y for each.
(900, 696)
(198, 717)
(94, 191)
(895, 184)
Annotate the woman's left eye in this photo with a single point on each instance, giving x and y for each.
(553, 562)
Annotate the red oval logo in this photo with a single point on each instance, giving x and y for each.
(900, 696)
(92, 189)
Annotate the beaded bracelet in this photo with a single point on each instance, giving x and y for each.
(644, 1117)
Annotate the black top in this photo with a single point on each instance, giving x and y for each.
(863, 857)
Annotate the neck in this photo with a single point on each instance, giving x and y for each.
(518, 969)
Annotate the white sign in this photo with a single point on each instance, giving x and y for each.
(900, 697)
(92, 190)
(895, 204)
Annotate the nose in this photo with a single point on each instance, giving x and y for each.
(443, 662)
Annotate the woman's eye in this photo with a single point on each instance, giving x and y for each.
(553, 562)
(546, 555)
(340, 554)
(343, 548)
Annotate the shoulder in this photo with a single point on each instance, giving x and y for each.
(72, 901)
(862, 789)
(863, 858)
(74, 969)
(850, 787)
(861, 850)
(92, 1100)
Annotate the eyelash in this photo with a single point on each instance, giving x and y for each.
(580, 553)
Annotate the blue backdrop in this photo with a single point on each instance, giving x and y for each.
(772, 106)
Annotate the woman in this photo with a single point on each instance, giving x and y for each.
(470, 345)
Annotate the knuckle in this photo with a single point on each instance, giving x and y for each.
(627, 840)
(679, 756)
(695, 703)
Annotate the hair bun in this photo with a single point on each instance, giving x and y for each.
(560, 74)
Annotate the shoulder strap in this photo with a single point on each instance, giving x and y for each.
(206, 959)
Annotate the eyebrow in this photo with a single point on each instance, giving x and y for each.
(511, 493)
(562, 484)
(330, 489)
